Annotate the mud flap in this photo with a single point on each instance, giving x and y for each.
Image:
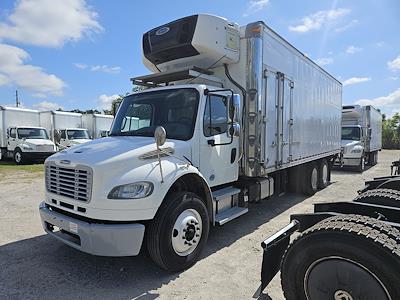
(274, 248)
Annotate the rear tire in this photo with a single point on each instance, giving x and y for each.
(379, 197)
(323, 174)
(179, 232)
(310, 179)
(342, 257)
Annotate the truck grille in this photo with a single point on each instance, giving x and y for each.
(74, 183)
(45, 148)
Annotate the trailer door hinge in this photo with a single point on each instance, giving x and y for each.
(291, 84)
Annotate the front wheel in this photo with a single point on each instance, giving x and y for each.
(179, 232)
(18, 157)
(361, 166)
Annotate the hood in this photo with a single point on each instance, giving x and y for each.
(118, 150)
(79, 141)
(349, 143)
(38, 142)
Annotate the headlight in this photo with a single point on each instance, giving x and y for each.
(356, 150)
(131, 191)
(27, 147)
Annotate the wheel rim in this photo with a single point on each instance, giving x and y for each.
(314, 179)
(187, 231)
(344, 279)
(325, 174)
(18, 157)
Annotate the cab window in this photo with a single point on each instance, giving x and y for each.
(12, 133)
(215, 119)
(62, 135)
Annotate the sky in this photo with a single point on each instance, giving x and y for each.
(77, 54)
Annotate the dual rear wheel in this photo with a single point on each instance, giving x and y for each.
(316, 176)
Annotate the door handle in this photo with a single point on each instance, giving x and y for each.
(211, 142)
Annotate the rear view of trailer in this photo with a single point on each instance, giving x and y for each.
(298, 106)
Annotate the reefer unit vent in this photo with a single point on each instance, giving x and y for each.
(201, 40)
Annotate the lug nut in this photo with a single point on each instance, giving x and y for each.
(197, 235)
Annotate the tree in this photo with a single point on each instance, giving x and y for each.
(391, 132)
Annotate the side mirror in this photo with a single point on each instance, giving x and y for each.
(57, 136)
(160, 135)
(8, 133)
(234, 130)
(235, 108)
(369, 132)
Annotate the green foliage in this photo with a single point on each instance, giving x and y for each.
(391, 132)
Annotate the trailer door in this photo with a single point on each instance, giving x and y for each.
(279, 112)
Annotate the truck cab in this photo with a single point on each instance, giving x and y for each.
(353, 146)
(29, 143)
(72, 136)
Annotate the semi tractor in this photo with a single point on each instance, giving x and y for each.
(21, 137)
(361, 136)
(230, 115)
(98, 125)
(65, 128)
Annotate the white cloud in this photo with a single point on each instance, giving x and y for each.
(353, 50)
(394, 78)
(318, 19)
(355, 80)
(104, 101)
(80, 66)
(49, 23)
(14, 70)
(394, 64)
(349, 25)
(323, 61)
(389, 104)
(45, 105)
(105, 69)
(255, 6)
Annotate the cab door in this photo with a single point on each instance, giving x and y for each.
(219, 152)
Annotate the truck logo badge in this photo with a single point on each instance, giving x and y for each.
(65, 162)
(162, 30)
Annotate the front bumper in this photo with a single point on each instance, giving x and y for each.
(37, 155)
(349, 161)
(93, 238)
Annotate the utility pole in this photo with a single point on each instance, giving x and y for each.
(17, 103)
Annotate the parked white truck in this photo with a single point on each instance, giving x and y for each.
(361, 135)
(98, 125)
(253, 118)
(21, 138)
(65, 128)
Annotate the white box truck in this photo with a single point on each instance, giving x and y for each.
(21, 137)
(231, 115)
(361, 135)
(65, 128)
(98, 125)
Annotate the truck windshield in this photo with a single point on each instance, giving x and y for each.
(175, 110)
(32, 133)
(77, 134)
(351, 133)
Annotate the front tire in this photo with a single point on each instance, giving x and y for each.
(18, 157)
(179, 232)
(361, 166)
(343, 258)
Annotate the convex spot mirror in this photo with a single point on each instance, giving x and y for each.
(160, 135)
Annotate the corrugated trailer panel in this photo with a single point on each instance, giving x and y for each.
(375, 123)
(303, 106)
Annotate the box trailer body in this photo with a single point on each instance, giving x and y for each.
(63, 126)
(97, 125)
(231, 115)
(361, 135)
(21, 136)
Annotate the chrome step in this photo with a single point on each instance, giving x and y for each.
(230, 214)
(225, 193)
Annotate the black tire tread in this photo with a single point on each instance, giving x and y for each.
(382, 190)
(358, 229)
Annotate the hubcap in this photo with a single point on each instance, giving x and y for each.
(342, 295)
(18, 157)
(187, 231)
(314, 178)
(342, 278)
(325, 174)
